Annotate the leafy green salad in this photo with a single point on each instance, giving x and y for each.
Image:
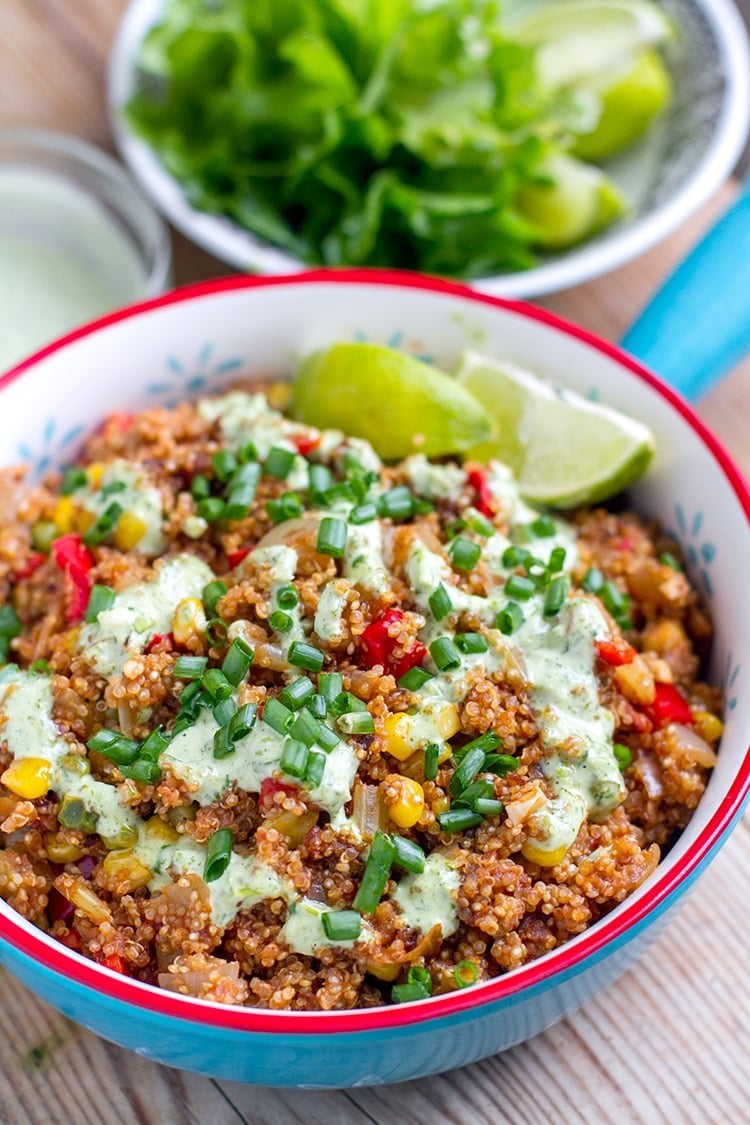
(443, 135)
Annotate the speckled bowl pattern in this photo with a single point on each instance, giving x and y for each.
(200, 340)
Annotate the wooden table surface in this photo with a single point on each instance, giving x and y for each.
(670, 1042)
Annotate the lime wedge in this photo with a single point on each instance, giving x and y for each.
(564, 450)
(628, 106)
(578, 40)
(571, 203)
(395, 401)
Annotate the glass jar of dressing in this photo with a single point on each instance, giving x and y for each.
(76, 239)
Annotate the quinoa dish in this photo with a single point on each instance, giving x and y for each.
(286, 727)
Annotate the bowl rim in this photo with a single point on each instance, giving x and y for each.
(239, 248)
(56, 957)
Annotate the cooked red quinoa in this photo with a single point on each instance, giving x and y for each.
(230, 862)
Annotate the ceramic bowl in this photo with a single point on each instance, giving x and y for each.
(667, 176)
(200, 340)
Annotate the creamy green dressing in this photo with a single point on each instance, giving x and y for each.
(303, 930)
(139, 498)
(434, 482)
(282, 563)
(429, 899)
(363, 558)
(330, 611)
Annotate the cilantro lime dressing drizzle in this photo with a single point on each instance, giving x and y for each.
(429, 899)
(282, 563)
(139, 612)
(363, 559)
(330, 610)
(128, 485)
(303, 930)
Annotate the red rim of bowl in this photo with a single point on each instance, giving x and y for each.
(84, 972)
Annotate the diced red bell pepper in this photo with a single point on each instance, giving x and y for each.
(114, 962)
(408, 661)
(305, 443)
(73, 940)
(478, 481)
(73, 557)
(270, 786)
(164, 639)
(234, 558)
(615, 652)
(32, 564)
(669, 706)
(378, 646)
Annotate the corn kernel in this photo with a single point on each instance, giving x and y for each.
(64, 515)
(124, 871)
(535, 853)
(382, 970)
(158, 829)
(59, 850)
(445, 720)
(129, 531)
(708, 726)
(28, 777)
(189, 620)
(82, 520)
(292, 827)
(396, 729)
(409, 805)
(95, 472)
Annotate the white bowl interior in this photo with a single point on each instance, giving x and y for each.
(206, 342)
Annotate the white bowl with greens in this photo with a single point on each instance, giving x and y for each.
(525, 164)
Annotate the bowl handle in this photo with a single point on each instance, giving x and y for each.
(697, 326)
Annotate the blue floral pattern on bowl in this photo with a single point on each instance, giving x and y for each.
(187, 377)
(700, 553)
(53, 449)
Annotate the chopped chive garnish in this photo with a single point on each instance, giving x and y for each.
(73, 479)
(279, 621)
(104, 526)
(467, 770)
(297, 693)
(189, 695)
(537, 570)
(189, 668)
(431, 760)
(453, 528)
(357, 722)
(519, 587)
(593, 580)
(668, 559)
(440, 602)
(112, 488)
(500, 764)
(423, 507)
(148, 773)
(623, 755)
(242, 721)
(487, 742)
(418, 986)
(543, 527)
(397, 503)
(317, 706)
(408, 855)
(223, 711)
(331, 537)
(212, 593)
(480, 525)
(278, 717)
(320, 477)
(154, 746)
(305, 728)
(473, 792)
(287, 507)
(346, 702)
(222, 744)
(414, 679)
(330, 685)
(238, 503)
(471, 642)
(40, 667)
(10, 623)
(315, 768)
(211, 509)
(279, 463)
(466, 973)
(376, 873)
(464, 554)
(247, 476)
(218, 854)
(216, 631)
(341, 925)
(458, 820)
(247, 452)
(102, 597)
(515, 556)
(445, 654)
(287, 597)
(236, 663)
(364, 513)
(327, 738)
(556, 559)
(223, 463)
(615, 600)
(510, 618)
(200, 487)
(302, 655)
(554, 599)
(294, 758)
(122, 751)
(487, 806)
(216, 684)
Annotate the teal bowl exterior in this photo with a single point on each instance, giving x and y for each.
(209, 334)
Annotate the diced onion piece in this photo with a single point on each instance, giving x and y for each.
(530, 800)
(369, 813)
(691, 747)
(83, 898)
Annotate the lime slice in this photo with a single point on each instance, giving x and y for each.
(629, 105)
(578, 40)
(395, 401)
(571, 203)
(564, 450)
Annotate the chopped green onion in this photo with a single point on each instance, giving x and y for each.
(154, 746)
(327, 738)
(519, 587)
(357, 722)
(189, 695)
(487, 806)
(623, 755)
(423, 507)
(331, 537)
(346, 702)
(211, 509)
(222, 744)
(212, 593)
(122, 751)
(471, 642)
(537, 570)
(236, 663)
(467, 770)
(376, 873)
(218, 854)
(294, 758)
(414, 679)
(297, 693)
(320, 477)
(487, 742)
(555, 597)
(593, 580)
(316, 765)
(223, 711)
(464, 554)
(466, 973)
(224, 463)
(279, 621)
(10, 623)
(408, 855)
(200, 487)
(341, 925)
(543, 527)
(616, 602)
(474, 791)
(480, 525)
(239, 502)
(668, 559)
(515, 556)
(216, 631)
(500, 764)
(445, 654)
(278, 717)
(216, 684)
(279, 462)
(317, 707)
(242, 721)
(454, 527)
(305, 728)
(148, 773)
(287, 507)
(440, 602)
(40, 667)
(287, 597)
(330, 685)
(364, 513)
(73, 479)
(112, 488)
(104, 526)
(247, 476)
(556, 559)
(458, 820)
(510, 618)
(302, 655)
(431, 759)
(397, 503)
(189, 667)
(418, 985)
(247, 452)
